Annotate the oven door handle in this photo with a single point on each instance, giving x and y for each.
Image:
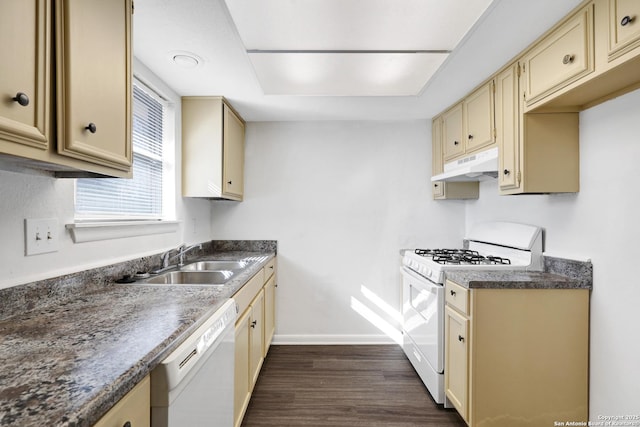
(424, 283)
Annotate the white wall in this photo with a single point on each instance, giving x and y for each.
(32, 196)
(341, 198)
(600, 223)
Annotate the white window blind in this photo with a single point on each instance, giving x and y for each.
(141, 196)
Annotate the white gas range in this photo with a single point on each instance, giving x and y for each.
(491, 246)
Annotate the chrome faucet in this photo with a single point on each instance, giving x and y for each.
(180, 253)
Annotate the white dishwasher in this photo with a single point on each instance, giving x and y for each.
(193, 386)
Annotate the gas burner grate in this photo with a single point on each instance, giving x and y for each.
(461, 256)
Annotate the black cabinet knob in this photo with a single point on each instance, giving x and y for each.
(470, 136)
(460, 338)
(506, 171)
(21, 98)
(435, 185)
(453, 293)
(455, 143)
(229, 182)
(626, 20)
(91, 127)
(254, 323)
(567, 59)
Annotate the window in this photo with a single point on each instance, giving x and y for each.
(144, 197)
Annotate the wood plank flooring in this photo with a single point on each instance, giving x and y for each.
(343, 386)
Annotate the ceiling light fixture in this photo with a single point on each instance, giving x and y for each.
(185, 59)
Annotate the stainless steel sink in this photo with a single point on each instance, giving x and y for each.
(191, 278)
(215, 265)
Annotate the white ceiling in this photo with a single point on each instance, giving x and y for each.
(262, 89)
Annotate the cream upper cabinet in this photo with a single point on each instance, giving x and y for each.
(478, 114)
(441, 190)
(93, 78)
(624, 27)
(516, 357)
(25, 83)
(452, 142)
(507, 128)
(212, 149)
(538, 152)
(561, 58)
(92, 86)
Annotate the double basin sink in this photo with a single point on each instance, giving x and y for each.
(212, 273)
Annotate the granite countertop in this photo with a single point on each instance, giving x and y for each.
(514, 279)
(67, 362)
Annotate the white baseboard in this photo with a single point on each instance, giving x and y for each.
(331, 339)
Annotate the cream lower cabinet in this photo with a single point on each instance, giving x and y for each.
(517, 357)
(538, 152)
(133, 410)
(254, 332)
(212, 149)
(85, 89)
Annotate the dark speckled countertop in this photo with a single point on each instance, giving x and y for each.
(558, 273)
(68, 361)
(502, 279)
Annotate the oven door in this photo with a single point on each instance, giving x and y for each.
(423, 312)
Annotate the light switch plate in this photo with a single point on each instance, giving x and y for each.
(41, 236)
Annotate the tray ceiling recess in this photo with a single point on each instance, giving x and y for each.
(350, 47)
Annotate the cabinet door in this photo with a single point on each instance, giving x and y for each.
(436, 160)
(134, 408)
(242, 388)
(269, 312)
(93, 57)
(233, 155)
(24, 71)
(256, 337)
(507, 129)
(452, 142)
(624, 27)
(456, 365)
(479, 118)
(561, 58)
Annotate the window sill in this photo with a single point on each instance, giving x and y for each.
(96, 231)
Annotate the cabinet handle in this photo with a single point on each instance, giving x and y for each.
(229, 182)
(470, 136)
(455, 143)
(21, 98)
(254, 323)
(91, 127)
(453, 293)
(127, 424)
(506, 171)
(460, 338)
(568, 59)
(435, 185)
(626, 20)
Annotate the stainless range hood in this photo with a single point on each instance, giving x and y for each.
(475, 167)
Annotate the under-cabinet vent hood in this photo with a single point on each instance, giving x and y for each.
(471, 168)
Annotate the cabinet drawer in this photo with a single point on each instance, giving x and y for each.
(269, 269)
(248, 292)
(437, 189)
(457, 297)
(563, 57)
(134, 407)
(624, 27)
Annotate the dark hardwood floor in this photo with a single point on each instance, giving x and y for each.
(343, 386)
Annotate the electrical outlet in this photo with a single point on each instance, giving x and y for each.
(40, 236)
